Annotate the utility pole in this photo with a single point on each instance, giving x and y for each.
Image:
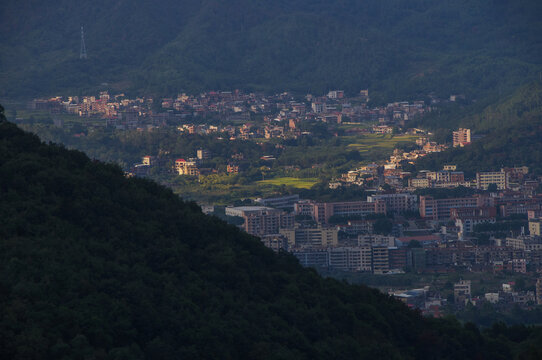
(83, 52)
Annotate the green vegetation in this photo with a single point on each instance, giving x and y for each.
(95, 265)
(161, 47)
(296, 183)
(381, 142)
(488, 315)
(300, 165)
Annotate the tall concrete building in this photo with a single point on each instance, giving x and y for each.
(499, 178)
(440, 209)
(381, 261)
(396, 202)
(311, 237)
(461, 137)
(321, 212)
(261, 220)
(462, 291)
(535, 227)
(376, 240)
(350, 258)
(203, 154)
(184, 167)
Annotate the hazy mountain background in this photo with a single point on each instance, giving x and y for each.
(398, 49)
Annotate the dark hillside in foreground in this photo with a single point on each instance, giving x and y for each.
(97, 266)
(398, 49)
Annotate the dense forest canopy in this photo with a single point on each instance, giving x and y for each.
(398, 49)
(95, 265)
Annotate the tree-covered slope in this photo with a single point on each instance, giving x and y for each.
(396, 48)
(511, 130)
(97, 266)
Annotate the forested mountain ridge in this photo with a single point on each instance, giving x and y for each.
(94, 265)
(511, 130)
(398, 49)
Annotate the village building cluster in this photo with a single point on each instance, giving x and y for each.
(282, 113)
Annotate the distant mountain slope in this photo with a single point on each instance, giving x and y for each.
(512, 135)
(396, 48)
(94, 265)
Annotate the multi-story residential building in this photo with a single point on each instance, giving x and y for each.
(420, 183)
(275, 242)
(376, 240)
(184, 167)
(304, 207)
(381, 263)
(516, 174)
(416, 259)
(341, 258)
(467, 218)
(524, 242)
(148, 160)
(461, 137)
(261, 220)
(397, 258)
(535, 227)
(267, 222)
(534, 214)
(350, 258)
(438, 176)
(318, 107)
(321, 212)
(364, 94)
(396, 202)
(311, 237)
(356, 227)
(431, 147)
(499, 178)
(445, 176)
(312, 257)
(509, 207)
(382, 129)
(462, 291)
(203, 154)
(335, 94)
(440, 209)
(232, 168)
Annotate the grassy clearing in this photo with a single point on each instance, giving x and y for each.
(368, 142)
(298, 183)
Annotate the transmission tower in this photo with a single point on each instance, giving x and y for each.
(83, 52)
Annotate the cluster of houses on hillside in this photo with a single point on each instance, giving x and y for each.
(283, 112)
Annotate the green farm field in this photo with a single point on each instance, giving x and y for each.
(290, 181)
(372, 141)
